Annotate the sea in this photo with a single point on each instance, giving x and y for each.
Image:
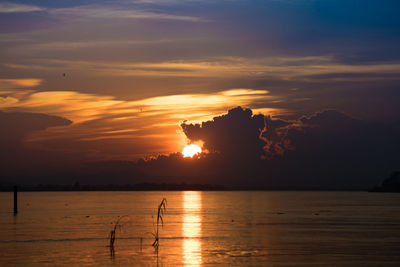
(201, 228)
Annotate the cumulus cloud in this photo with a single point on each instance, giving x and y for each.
(239, 132)
(331, 149)
(275, 136)
(282, 136)
(234, 134)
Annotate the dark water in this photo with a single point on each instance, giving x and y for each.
(202, 228)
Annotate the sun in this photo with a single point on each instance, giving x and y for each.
(191, 150)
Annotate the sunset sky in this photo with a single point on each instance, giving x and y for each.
(128, 73)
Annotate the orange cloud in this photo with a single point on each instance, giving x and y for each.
(21, 82)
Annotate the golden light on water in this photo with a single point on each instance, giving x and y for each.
(191, 229)
(191, 150)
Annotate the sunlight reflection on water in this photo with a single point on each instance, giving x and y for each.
(191, 228)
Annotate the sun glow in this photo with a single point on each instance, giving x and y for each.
(191, 150)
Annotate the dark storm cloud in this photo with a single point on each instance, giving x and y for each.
(329, 119)
(234, 134)
(313, 133)
(275, 136)
(327, 149)
(330, 149)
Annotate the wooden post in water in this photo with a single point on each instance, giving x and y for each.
(15, 200)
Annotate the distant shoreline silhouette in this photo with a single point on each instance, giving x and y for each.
(390, 185)
(161, 187)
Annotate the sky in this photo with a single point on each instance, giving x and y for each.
(122, 76)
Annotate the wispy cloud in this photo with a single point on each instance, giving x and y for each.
(98, 11)
(285, 68)
(81, 44)
(110, 12)
(11, 83)
(81, 107)
(9, 7)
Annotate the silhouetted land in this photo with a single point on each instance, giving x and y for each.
(162, 187)
(391, 184)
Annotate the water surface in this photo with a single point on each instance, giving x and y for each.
(202, 228)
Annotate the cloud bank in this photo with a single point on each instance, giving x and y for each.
(327, 149)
